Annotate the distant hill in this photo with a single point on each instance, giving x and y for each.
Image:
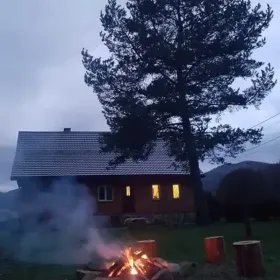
(6, 160)
(8, 200)
(213, 177)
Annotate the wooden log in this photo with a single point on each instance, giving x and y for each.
(159, 262)
(95, 268)
(124, 277)
(187, 269)
(249, 258)
(148, 247)
(214, 249)
(116, 267)
(86, 274)
(163, 274)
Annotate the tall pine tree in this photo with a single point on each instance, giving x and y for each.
(170, 75)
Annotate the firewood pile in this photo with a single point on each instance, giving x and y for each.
(155, 271)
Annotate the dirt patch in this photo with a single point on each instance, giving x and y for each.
(219, 272)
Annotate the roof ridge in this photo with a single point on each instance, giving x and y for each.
(60, 131)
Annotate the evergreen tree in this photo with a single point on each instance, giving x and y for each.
(170, 75)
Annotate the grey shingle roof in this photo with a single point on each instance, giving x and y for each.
(78, 153)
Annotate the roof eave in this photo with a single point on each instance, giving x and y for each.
(13, 178)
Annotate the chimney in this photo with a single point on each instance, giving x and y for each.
(67, 129)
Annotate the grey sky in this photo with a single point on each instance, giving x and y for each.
(41, 82)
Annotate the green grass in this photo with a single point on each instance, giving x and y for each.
(187, 244)
(38, 272)
(173, 245)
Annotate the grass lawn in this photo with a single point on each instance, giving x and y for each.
(173, 245)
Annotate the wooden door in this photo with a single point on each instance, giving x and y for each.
(128, 200)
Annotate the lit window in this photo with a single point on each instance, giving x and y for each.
(155, 192)
(105, 193)
(127, 190)
(176, 191)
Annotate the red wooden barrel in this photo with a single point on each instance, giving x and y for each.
(249, 258)
(214, 247)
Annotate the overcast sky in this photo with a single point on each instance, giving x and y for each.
(41, 81)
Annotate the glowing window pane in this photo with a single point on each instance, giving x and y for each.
(127, 190)
(176, 191)
(155, 192)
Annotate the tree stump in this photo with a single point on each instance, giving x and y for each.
(214, 249)
(249, 258)
(148, 247)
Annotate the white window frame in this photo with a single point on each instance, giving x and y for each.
(105, 191)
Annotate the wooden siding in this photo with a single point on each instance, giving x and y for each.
(141, 189)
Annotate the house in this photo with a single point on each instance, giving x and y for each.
(153, 186)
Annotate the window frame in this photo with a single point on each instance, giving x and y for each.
(105, 193)
(179, 188)
(159, 192)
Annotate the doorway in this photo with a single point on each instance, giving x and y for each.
(128, 200)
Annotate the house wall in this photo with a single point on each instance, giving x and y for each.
(141, 188)
(145, 204)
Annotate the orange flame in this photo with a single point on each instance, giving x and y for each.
(134, 265)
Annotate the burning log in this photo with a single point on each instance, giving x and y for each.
(148, 247)
(160, 262)
(136, 262)
(115, 268)
(132, 262)
(249, 258)
(214, 249)
(126, 277)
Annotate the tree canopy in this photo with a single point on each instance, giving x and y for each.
(171, 74)
(242, 192)
(244, 187)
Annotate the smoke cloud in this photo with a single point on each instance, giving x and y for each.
(70, 236)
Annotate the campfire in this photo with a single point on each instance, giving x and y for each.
(135, 262)
(138, 261)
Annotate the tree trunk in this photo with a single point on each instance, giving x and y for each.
(248, 226)
(202, 211)
(247, 213)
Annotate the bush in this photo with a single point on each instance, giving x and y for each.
(241, 191)
(257, 192)
(214, 207)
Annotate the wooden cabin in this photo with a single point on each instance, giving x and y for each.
(153, 186)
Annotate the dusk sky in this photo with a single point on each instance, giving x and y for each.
(42, 78)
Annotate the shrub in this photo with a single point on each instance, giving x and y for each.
(214, 207)
(241, 192)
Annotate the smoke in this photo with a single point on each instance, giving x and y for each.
(70, 236)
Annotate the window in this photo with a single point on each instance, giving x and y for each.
(155, 192)
(105, 193)
(127, 191)
(176, 191)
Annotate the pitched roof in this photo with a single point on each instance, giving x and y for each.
(78, 153)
